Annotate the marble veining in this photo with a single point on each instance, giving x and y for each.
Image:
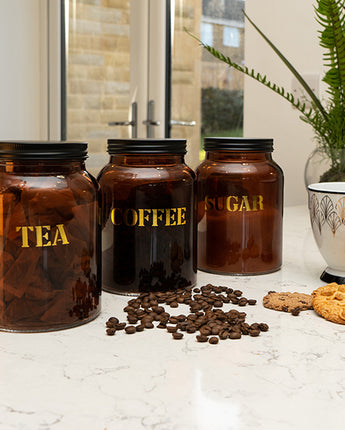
(291, 377)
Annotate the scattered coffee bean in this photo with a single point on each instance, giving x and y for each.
(254, 332)
(205, 314)
(295, 312)
(120, 326)
(171, 329)
(235, 335)
(130, 329)
(263, 327)
(177, 335)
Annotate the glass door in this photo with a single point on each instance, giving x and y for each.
(204, 90)
(132, 71)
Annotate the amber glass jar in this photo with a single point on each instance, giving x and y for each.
(148, 216)
(240, 207)
(49, 256)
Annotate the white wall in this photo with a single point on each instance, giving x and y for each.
(292, 27)
(23, 79)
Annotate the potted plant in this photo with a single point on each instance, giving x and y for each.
(328, 118)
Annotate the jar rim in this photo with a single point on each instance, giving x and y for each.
(147, 146)
(238, 144)
(42, 150)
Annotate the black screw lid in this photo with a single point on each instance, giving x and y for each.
(238, 144)
(43, 150)
(147, 146)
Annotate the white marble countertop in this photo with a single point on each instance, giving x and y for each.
(291, 377)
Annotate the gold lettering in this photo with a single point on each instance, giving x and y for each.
(234, 207)
(113, 216)
(126, 217)
(25, 235)
(217, 205)
(152, 217)
(181, 216)
(143, 217)
(208, 203)
(156, 216)
(60, 231)
(258, 200)
(246, 204)
(170, 216)
(40, 236)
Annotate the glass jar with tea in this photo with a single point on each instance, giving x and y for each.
(148, 217)
(240, 207)
(49, 237)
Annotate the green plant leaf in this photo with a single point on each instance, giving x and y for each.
(298, 104)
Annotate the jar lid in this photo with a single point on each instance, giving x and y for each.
(43, 150)
(237, 144)
(147, 146)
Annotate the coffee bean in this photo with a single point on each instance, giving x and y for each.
(148, 325)
(235, 335)
(263, 327)
(191, 328)
(158, 309)
(205, 330)
(111, 331)
(120, 326)
(295, 312)
(254, 326)
(177, 335)
(224, 334)
(132, 319)
(215, 329)
(205, 314)
(110, 324)
(254, 332)
(171, 329)
(242, 302)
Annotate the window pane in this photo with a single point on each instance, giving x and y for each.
(207, 33)
(203, 88)
(231, 37)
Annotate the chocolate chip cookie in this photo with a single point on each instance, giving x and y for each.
(288, 302)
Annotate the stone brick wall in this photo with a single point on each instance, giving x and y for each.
(186, 77)
(97, 70)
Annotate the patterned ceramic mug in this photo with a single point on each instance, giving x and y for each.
(326, 201)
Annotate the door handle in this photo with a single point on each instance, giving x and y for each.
(132, 123)
(150, 122)
(183, 123)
